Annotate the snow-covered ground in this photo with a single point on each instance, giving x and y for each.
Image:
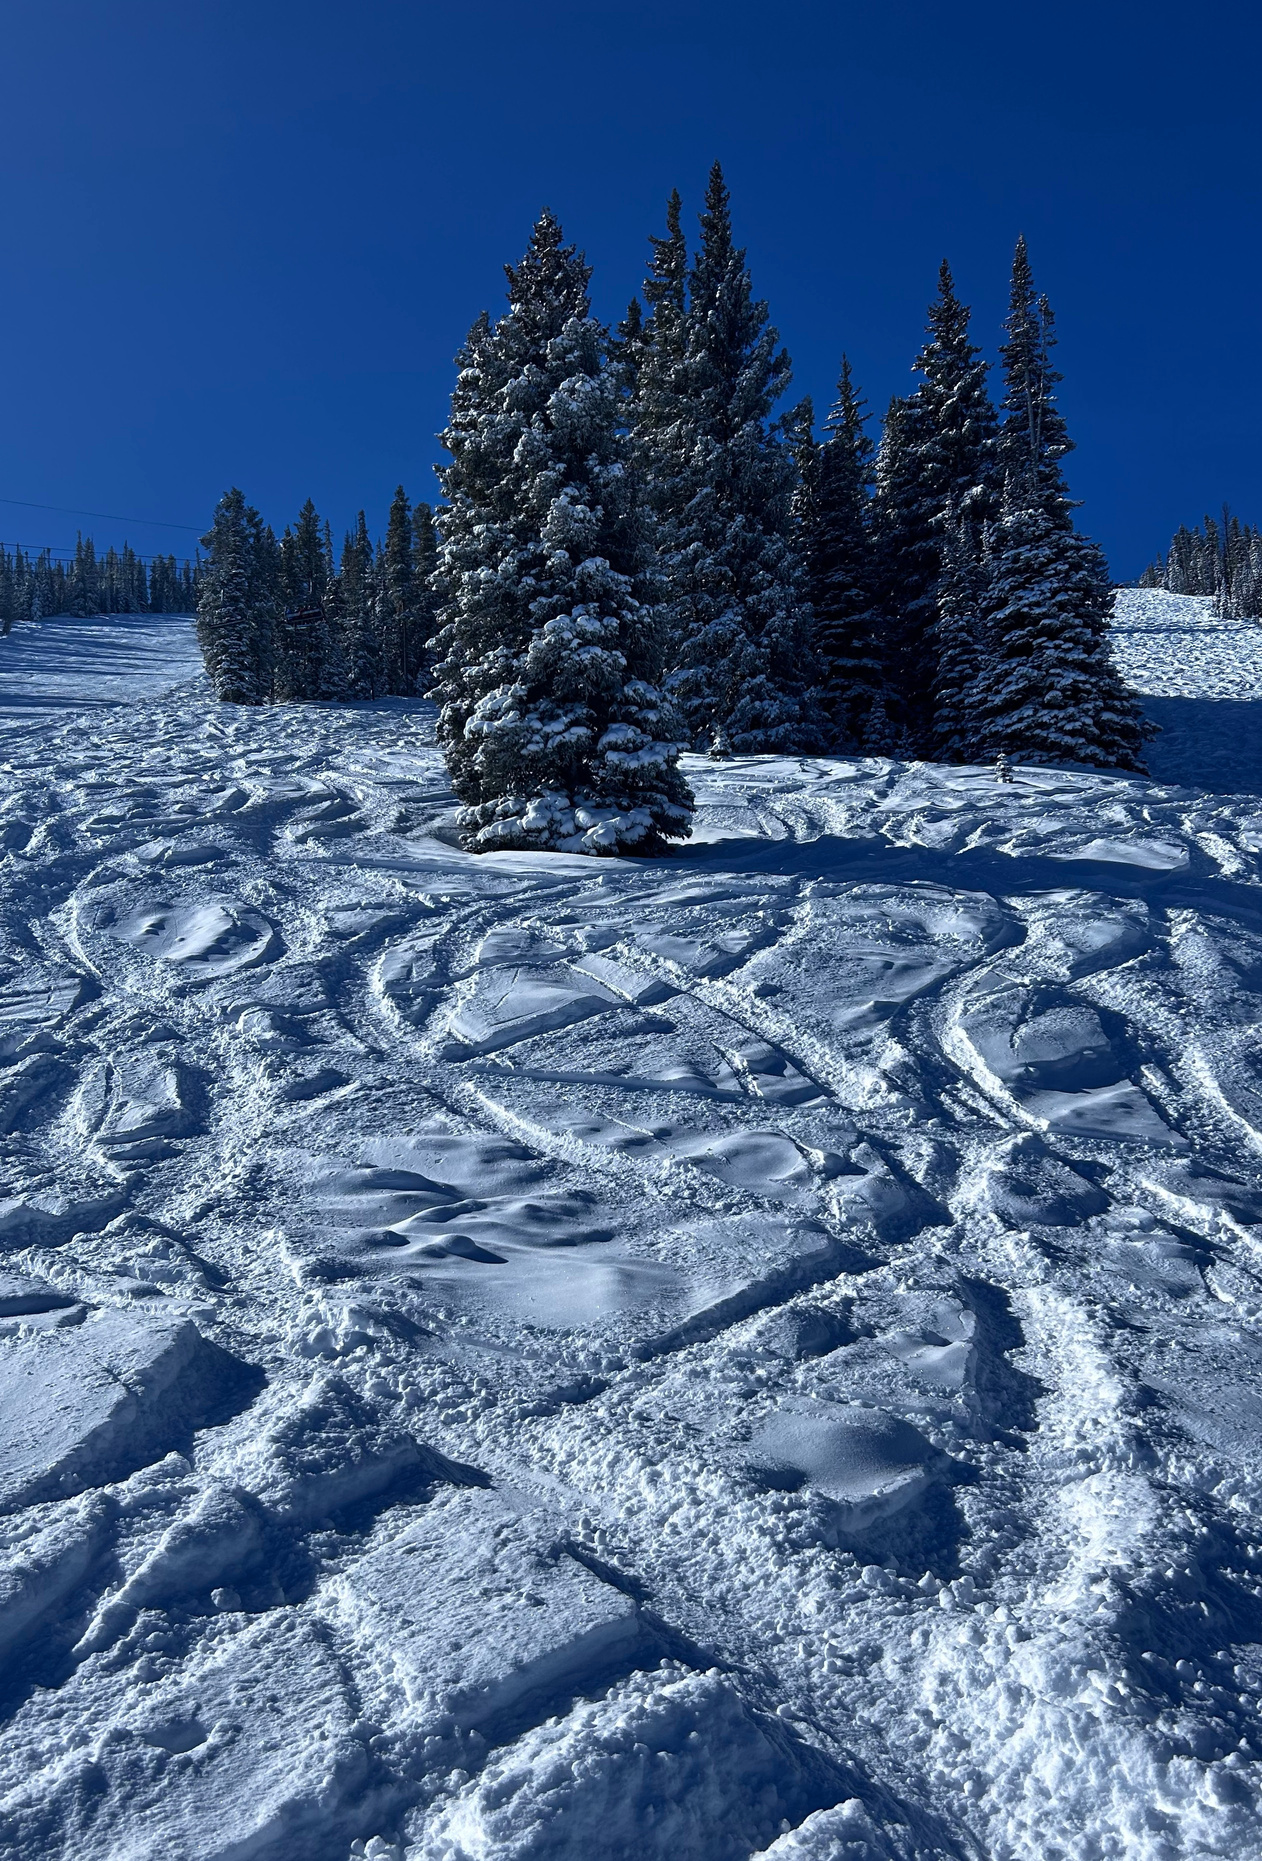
(522, 1357)
(1200, 676)
(84, 664)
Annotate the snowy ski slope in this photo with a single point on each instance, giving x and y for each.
(523, 1357)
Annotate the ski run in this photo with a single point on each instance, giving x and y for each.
(521, 1357)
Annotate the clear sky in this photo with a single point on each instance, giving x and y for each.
(242, 239)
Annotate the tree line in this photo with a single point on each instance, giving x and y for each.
(635, 555)
(33, 583)
(281, 621)
(1224, 561)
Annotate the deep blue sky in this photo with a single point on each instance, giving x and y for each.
(242, 239)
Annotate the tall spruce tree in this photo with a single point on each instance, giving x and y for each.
(842, 582)
(1048, 690)
(1034, 439)
(425, 589)
(554, 729)
(235, 610)
(959, 641)
(937, 467)
(302, 632)
(721, 483)
(360, 613)
(399, 629)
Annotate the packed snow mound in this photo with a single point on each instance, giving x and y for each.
(753, 1353)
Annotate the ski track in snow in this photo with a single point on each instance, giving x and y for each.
(521, 1356)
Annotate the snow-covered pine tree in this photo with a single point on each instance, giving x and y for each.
(424, 588)
(720, 483)
(398, 627)
(842, 578)
(360, 605)
(555, 732)
(334, 680)
(1047, 689)
(937, 456)
(959, 642)
(83, 593)
(798, 428)
(649, 353)
(305, 571)
(235, 609)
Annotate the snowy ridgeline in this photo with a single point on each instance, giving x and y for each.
(751, 1353)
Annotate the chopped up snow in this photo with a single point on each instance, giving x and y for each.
(530, 1358)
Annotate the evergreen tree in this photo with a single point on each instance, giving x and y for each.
(399, 630)
(1050, 691)
(358, 584)
(650, 353)
(1226, 564)
(425, 588)
(1034, 438)
(798, 428)
(937, 465)
(302, 633)
(555, 733)
(234, 612)
(1047, 689)
(85, 579)
(843, 578)
(720, 482)
(959, 643)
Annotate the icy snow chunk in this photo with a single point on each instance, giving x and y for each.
(1074, 933)
(650, 1065)
(1153, 855)
(30, 1001)
(509, 1005)
(331, 1450)
(405, 976)
(44, 1557)
(707, 957)
(870, 1462)
(179, 853)
(1160, 1263)
(217, 938)
(87, 1405)
(846, 1833)
(45, 1218)
(20, 1295)
(667, 1767)
(1120, 1112)
(765, 1162)
(24, 1085)
(513, 944)
(1021, 1182)
(1201, 1199)
(130, 1102)
(641, 990)
(472, 1610)
(249, 1748)
(774, 1077)
(938, 1354)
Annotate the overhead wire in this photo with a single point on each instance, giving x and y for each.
(60, 554)
(72, 510)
